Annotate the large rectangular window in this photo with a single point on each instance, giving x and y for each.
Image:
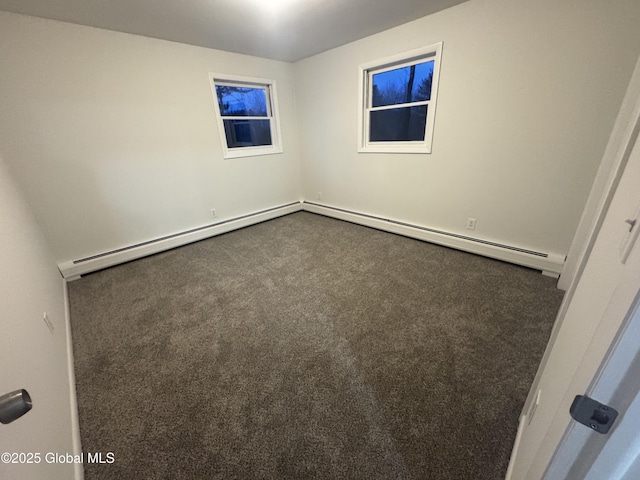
(398, 100)
(247, 119)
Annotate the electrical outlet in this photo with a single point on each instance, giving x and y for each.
(48, 323)
(471, 223)
(213, 213)
(319, 196)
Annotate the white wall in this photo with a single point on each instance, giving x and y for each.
(113, 136)
(528, 95)
(31, 357)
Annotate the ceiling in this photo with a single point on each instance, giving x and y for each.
(286, 30)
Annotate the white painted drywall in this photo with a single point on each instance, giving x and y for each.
(31, 357)
(528, 95)
(113, 137)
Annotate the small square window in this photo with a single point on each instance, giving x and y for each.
(247, 119)
(398, 102)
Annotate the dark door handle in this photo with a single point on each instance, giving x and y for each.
(13, 405)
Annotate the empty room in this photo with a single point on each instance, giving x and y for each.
(290, 239)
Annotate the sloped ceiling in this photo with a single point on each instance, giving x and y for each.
(287, 30)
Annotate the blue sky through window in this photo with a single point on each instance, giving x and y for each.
(391, 87)
(241, 101)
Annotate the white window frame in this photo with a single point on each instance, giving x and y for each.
(365, 73)
(273, 114)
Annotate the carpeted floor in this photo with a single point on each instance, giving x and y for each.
(306, 347)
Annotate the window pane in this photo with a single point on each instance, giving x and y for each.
(247, 133)
(402, 85)
(398, 124)
(242, 101)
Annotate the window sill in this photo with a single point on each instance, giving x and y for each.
(251, 152)
(422, 149)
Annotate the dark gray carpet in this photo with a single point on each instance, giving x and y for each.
(307, 347)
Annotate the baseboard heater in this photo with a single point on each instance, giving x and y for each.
(546, 262)
(73, 269)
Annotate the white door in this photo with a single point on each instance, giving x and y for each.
(597, 311)
(615, 456)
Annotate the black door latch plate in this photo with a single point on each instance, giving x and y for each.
(593, 414)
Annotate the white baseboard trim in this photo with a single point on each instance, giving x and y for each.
(78, 470)
(72, 270)
(552, 275)
(550, 263)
